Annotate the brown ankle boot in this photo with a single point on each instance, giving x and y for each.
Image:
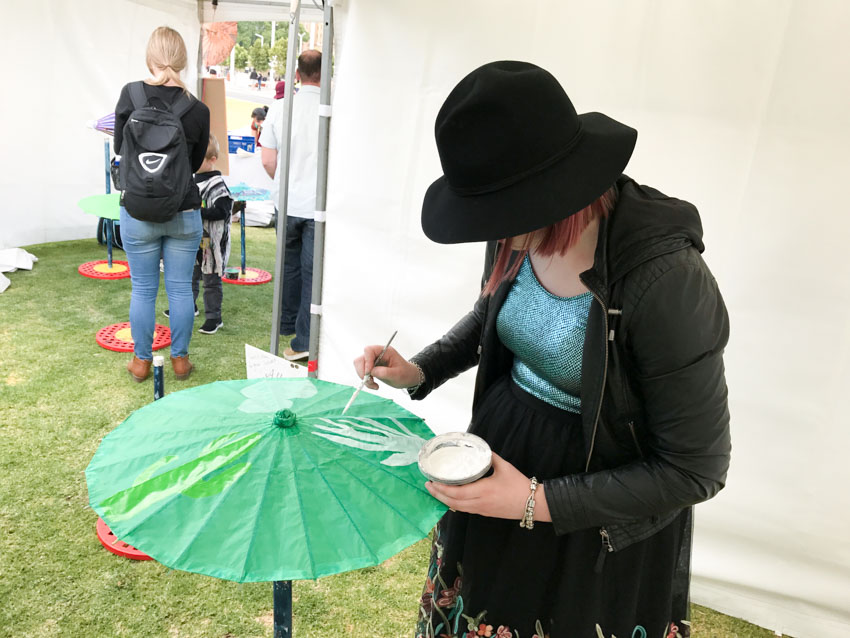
(139, 369)
(182, 367)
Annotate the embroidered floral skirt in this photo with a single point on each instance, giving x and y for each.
(490, 577)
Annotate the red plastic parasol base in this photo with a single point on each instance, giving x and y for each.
(100, 269)
(110, 541)
(118, 337)
(252, 277)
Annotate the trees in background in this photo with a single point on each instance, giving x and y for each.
(245, 33)
(278, 56)
(241, 57)
(258, 52)
(258, 56)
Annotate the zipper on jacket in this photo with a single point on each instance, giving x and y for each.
(606, 549)
(614, 312)
(604, 379)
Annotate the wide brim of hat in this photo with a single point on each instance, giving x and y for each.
(539, 200)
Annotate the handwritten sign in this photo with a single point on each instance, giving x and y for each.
(260, 364)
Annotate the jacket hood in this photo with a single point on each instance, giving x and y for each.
(647, 223)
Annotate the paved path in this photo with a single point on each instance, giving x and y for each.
(264, 96)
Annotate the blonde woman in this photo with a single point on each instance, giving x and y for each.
(176, 240)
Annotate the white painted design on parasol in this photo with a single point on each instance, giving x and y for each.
(368, 434)
(271, 396)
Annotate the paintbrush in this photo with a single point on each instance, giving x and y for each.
(368, 377)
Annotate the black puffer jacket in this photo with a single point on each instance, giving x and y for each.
(653, 391)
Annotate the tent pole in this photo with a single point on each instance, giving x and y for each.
(199, 83)
(283, 175)
(321, 188)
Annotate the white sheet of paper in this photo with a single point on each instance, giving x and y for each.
(260, 364)
(13, 258)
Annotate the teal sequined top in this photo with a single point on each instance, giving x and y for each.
(546, 334)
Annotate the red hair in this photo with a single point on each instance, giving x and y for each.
(557, 238)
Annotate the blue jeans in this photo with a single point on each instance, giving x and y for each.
(176, 242)
(297, 282)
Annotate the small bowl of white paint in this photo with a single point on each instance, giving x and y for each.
(455, 458)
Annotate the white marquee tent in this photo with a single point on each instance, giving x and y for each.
(742, 108)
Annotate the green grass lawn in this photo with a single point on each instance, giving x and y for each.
(60, 393)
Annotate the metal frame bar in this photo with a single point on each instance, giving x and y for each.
(321, 188)
(283, 180)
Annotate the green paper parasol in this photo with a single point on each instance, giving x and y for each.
(261, 480)
(106, 206)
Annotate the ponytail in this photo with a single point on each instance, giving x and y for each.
(166, 57)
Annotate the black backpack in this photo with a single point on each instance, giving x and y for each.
(155, 172)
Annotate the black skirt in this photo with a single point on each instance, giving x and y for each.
(490, 577)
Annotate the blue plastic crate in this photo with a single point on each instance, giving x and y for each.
(234, 142)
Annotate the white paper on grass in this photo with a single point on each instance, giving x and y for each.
(13, 258)
(4, 282)
(260, 364)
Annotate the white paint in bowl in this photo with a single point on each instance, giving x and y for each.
(455, 458)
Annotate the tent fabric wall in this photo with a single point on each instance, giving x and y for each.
(69, 61)
(741, 109)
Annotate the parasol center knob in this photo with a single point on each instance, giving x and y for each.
(284, 418)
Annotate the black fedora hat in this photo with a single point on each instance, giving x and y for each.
(516, 156)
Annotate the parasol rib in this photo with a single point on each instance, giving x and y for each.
(151, 511)
(260, 501)
(341, 505)
(301, 510)
(386, 469)
(389, 505)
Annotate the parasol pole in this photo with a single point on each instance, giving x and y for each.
(321, 189)
(242, 230)
(283, 176)
(282, 609)
(108, 222)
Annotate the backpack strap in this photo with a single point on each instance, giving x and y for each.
(137, 94)
(178, 108)
(182, 104)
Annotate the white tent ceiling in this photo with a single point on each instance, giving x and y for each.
(237, 10)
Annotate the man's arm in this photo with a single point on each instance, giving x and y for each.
(269, 157)
(270, 140)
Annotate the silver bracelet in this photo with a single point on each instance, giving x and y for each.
(527, 521)
(413, 389)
